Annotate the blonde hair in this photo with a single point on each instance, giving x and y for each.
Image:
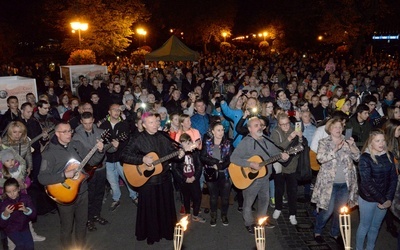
(367, 145)
(20, 125)
(330, 122)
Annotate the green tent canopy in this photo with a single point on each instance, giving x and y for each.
(173, 50)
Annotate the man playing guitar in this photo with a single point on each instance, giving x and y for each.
(255, 144)
(156, 215)
(53, 170)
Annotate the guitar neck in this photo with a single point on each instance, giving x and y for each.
(35, 139)
(87, 158)
(166, 158)
(271, 160)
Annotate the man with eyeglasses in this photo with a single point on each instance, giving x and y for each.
(54, 169)
(255, 144)
(374, 116)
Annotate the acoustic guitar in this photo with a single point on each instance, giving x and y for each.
(243, 177)
(314, 164)
(138, 175)
(66, 192)
(89, 169)
(50, 133)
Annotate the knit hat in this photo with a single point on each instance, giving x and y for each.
(162, 110)
(6, 154)
(127, 97)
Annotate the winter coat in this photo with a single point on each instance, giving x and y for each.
(18, 221)
(280, 138)
(206, 156)
(326, 176)
(378, 180)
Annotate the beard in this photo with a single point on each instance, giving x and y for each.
(260, 133)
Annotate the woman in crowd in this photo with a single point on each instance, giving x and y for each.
(393, 112)
(377, 186)
(186, 127)
(336, 183)
(74, 104)
(282, 100)
(269, 112)
(215, 155)
(63, 105)
(17, 139)
(392, 137)
(173, 125)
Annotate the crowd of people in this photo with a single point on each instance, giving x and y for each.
(185, 126)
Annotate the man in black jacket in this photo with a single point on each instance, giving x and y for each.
(116, 126)
(59, 163)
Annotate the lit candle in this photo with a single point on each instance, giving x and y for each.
(179, 231)
(345, 227)
(260, 233)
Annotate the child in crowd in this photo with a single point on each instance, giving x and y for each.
(188, 174)
(16, 213)
(13, 166)
(10, 167)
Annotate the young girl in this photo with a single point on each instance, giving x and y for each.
(13, 166)
(10, 167)
(16, 213)
(188, 174)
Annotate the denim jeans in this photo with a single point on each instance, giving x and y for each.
(22, 239)
(114, 171)
(371, 218)
(259, 187)
(339, 197)
(222, 187)
(272, 188)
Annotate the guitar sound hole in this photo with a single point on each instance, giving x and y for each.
(253, 175)
(148, 173)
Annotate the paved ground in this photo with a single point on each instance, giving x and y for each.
(119, 234)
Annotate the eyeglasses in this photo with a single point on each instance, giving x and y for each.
(66, 131)
(270, 107)
(284, 124)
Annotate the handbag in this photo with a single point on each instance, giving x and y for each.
(303, 171)
(210, 174)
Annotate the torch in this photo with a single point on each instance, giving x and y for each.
(260, 233)
(345, 227)
(179, 232)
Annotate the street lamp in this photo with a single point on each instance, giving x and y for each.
(142, 32)
(265, 34)
(224, 34)
(79, 26)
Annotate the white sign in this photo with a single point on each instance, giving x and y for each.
(71, 74)
(17, 86)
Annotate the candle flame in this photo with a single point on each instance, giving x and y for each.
(184, 222)
(262, 220)
(344, 210)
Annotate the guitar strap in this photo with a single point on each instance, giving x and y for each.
(265, 137)
(264, 149)
(175, 143)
